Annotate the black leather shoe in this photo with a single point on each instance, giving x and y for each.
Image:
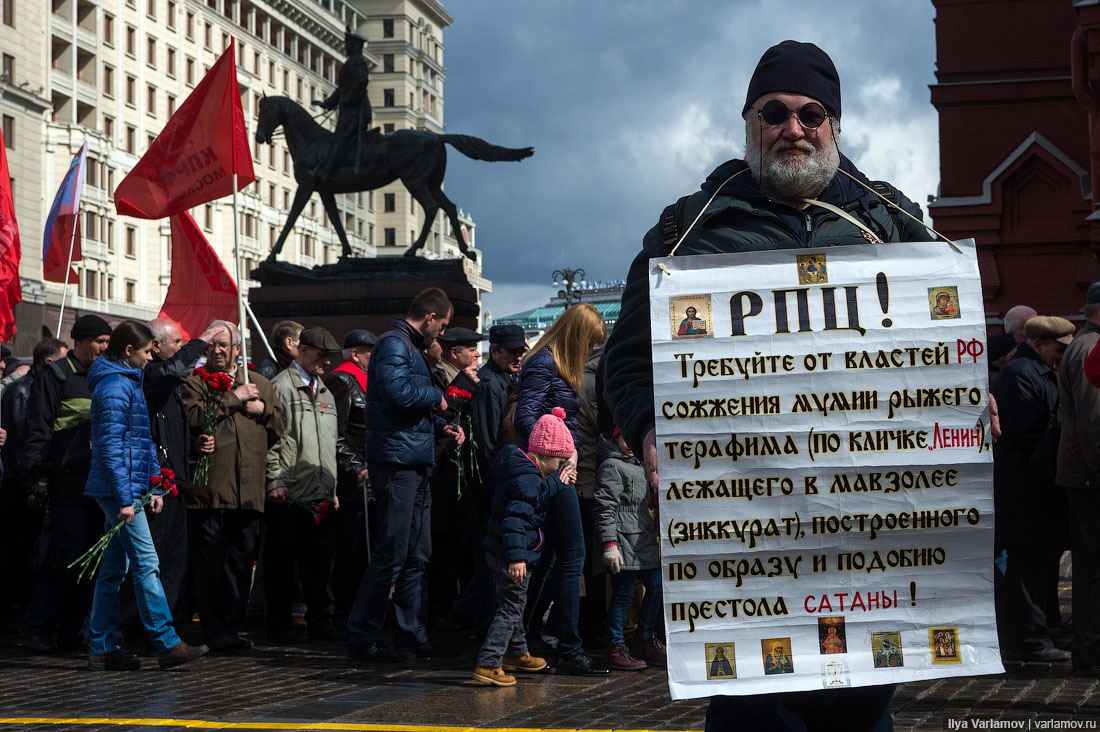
(375, 652)
(289, 634)
(580, 665)
(119, 659)
(230, 642)
(428, 649)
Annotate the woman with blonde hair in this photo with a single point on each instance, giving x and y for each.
(553, 375)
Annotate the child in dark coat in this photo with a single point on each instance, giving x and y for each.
(514, 538)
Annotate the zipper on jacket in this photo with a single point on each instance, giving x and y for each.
(809, 228)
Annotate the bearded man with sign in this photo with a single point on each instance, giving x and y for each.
(794, 189)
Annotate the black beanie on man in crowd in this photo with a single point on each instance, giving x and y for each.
(89, 326)
(796, 68)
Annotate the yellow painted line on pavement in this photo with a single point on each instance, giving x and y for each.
(337, 726)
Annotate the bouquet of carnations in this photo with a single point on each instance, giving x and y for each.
(162, 485)
(319, 510)
(465, 455)
(218, 383)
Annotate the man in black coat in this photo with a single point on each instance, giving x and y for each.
(1031, 521)
(20, 522)
(348, 384)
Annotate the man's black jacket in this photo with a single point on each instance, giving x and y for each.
(269, 368)
(167, 415)
(58, 443)
(351, 438)
(13, 414)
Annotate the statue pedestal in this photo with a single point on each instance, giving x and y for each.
(356, 293)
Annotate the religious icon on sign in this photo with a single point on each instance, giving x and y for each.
(777, 657)
(834, 673)
(830, 635)
(887, 649)
(812, 269)
(690, 315)
(945, 645)
(943, 303)
(721, 662)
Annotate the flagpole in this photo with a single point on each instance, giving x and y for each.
(68, 268)
(260, 330)
(242, 322)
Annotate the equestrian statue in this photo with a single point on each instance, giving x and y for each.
(353, 158)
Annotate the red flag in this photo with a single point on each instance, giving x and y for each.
(63, 225)
(10, 292)
(194, 156)
(201, 289)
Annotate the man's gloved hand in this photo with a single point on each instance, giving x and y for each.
(612, 557)
(36, 499)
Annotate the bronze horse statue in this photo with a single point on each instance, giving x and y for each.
(415, 157)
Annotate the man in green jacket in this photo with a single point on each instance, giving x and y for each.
(794, 189)
(301, 490)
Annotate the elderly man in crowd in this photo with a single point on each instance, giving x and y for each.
(225, 509)
(1016, 322)
(450, 537)
(301, 491)
(768, 200)
(20, 523)
(348, 383)
(1079, 476)
(57, 455)
(402, 421)
(1030, 509)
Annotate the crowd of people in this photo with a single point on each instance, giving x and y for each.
(386, 491)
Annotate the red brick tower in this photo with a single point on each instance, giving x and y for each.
(1015, 169)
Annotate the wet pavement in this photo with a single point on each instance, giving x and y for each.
(314, 686)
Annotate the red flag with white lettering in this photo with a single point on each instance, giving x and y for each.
(201, 289)
(193, 158)
(10, 253)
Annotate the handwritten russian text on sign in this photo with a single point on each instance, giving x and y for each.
(826, 473)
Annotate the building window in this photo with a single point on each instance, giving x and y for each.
(387, 62)
(171, 62)
(256, 63)
(391, 237)
(190, 27)
(208, 217)
(131, 139)
(7, 127)
(90, 278)
(109, 127)
(131, 90)
(7, 68)
(108, 81)
(207, 36)
(89, 179)
(387, 98)
(151, 99)
(110, 287)
(389, 202)
(171, 105)
(91, 226)
(9, 13)
(131, 291)
(131, 241)
(171, 14)
(151, 51)
(131, 40)
(152, 9)
(271, 73)
(388, 127)
(307, 245)
(387, 28)
(271, 195)
(189, 72)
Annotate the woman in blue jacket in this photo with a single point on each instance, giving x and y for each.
(553, 375)
(124, 460)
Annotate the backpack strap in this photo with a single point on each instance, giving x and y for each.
(671, 222)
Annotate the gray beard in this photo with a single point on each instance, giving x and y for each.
(792, 178)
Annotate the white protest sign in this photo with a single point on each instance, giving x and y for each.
(826, 496)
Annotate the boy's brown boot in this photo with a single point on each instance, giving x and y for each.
(180, 654)
(494, 676)
(526, 662)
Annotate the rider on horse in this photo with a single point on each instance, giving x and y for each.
(351, 98)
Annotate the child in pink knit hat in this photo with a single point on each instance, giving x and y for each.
(514, 538)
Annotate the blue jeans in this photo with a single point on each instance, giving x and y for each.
(401, 548)
(622, 592)
(133, 545)
(565, 537)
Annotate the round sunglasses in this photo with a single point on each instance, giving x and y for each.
(810, 116)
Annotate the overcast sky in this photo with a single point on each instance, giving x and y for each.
(629, 105)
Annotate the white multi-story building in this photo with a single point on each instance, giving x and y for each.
(111, 73)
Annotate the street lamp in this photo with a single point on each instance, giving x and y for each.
(571, 282)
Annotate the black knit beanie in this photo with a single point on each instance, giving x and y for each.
(89, 326)
(796, 68)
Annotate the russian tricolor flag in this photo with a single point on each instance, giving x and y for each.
(62, 225)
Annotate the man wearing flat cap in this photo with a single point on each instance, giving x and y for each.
(348, 383)
(793, 189)
(57, 454)
(1079, 476)
(451, 539)
(301, 492)
(1030, 508)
